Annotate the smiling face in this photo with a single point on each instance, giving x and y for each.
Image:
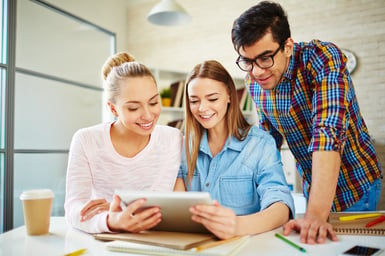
(208, 101)
(268, 78)
(137, 106)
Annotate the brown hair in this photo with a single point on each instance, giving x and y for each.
(236, 123)
(117, 68)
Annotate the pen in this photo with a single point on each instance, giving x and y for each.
(375, 221)
(359, 216)
(290, 242)
(76, 253)
(216, 243)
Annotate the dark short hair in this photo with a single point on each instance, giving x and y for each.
(255, 22)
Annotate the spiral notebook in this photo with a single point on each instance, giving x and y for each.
(356, 226)
(225, 249)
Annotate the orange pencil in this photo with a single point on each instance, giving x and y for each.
(375, 221)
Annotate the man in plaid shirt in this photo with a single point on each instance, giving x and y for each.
(304, 94)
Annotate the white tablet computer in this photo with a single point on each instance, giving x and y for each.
(174, 206)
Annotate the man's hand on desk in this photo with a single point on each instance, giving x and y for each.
(312, 230)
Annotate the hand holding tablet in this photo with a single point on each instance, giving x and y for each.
(120, 217)
(174, 207)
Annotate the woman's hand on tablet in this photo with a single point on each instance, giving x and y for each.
(94, 207)
(133, 218)
(220, 221)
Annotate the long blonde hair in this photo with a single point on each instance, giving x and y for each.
(117, 68)
(235, 121)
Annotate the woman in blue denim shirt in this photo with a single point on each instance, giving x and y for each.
(237, 163)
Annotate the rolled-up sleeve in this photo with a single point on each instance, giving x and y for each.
(272, 186)
(330, 103)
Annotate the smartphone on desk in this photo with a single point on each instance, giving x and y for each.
(362, 251)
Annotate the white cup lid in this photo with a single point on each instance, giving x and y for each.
(36, 194)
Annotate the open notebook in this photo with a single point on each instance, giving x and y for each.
(224, 249)
(353, 225)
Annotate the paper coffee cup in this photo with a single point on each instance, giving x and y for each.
(37, 205)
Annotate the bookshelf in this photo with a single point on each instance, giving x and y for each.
(164, 79)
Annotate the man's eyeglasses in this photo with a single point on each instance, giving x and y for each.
(264, 61)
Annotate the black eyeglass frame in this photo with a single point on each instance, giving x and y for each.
(242, 59)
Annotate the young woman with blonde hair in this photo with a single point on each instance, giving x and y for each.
(132, 152)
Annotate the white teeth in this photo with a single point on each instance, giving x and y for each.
(146, 125)
(206, 116)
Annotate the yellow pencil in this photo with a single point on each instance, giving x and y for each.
(77, 252)
(216, 243)
(359, 216)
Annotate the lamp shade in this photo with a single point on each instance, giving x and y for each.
(168, 13)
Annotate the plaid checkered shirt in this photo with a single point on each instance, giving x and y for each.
(314, 108)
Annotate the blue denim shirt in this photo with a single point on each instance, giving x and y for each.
(246, 176)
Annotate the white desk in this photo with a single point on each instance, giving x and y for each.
(63, 239)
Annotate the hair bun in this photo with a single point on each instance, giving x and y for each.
(115, 61)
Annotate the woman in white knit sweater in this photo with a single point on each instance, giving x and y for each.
(132, 153)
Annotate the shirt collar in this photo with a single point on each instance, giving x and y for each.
(233, 144)
(290, 72)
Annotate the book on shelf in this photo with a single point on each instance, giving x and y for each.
(223, 248)
(183, 94)
(177, 93)
(246, 106)
(245, 100)
(174, 89)
(242, 95)
(356, 223)
(179, 124)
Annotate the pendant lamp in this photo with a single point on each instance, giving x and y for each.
(168, 13)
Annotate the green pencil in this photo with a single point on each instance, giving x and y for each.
(290, 242)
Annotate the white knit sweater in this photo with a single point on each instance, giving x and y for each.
(95, 170)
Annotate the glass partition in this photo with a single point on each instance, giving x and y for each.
(2, 107)
(3, 34)
(3, 58)
(47, 112)
(2, 191)
(53, 43)
(58, 90)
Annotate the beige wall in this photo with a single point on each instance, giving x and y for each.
(354, 25)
